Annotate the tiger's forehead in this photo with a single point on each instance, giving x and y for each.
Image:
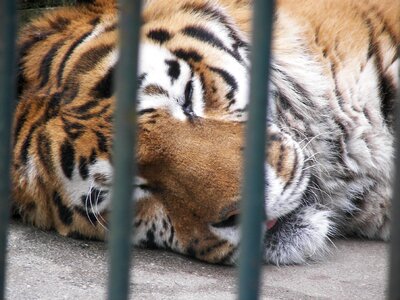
(204, 37)
(167, 82)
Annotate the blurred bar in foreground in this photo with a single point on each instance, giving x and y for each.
(124, 149)
(253, 211)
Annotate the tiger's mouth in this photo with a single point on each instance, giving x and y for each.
(271, 223)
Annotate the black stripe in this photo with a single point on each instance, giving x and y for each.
(150, 240)
(83, 168)
(44, 152)
(294, 85)
(21, 80)
(67, 153)
(90, 59)
(110, 28)
(203, 80)
(229, 79)
(68, 55)
(293, 173)
(284, 102)
(59, 24)
(295, 188)
(155, 90)
(44, 69)
(84, 108)
(104, 88)
(101, 141)
(206, 36)
(93, 157)
(27, 142)
(387, 90)
(22, 118)
(141, 78)
(209, 11)
(95, 20)
(165, 224)
(174, 69)
(370, 38)
(53, 107)
(64, 212)
(172, 234)
(37, 34)
(280, 159)
(160, 35)
(146, 111)
(73, 130)
(92, 115)
(188, 55)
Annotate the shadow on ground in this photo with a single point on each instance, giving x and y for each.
(44, 265)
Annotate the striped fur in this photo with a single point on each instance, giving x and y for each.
(330, 124)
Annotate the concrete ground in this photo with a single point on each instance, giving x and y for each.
(43, 265)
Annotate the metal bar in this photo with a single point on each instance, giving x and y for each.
(124, 149)
(253, 211)
(7, 94)
(394, 280)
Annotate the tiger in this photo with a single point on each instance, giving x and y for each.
(330, 124)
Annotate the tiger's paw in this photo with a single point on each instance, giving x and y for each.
(301, 236)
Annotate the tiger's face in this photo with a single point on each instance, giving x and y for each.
(190, 170)
(191, 186)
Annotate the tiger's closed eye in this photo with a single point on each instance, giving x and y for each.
(188, 105)
(232, 220)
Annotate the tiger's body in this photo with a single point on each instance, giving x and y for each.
(330, 124)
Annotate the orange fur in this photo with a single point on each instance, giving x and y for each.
(194, 167)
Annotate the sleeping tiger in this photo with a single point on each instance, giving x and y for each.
(330, 124)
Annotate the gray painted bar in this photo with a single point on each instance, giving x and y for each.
(394, 279)
(253, 212)
(8, 30)
(7, 96)
(124, 145)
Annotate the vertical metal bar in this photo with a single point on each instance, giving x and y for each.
(253, 211)
(7, 94)
(124, 149)
(394, 279)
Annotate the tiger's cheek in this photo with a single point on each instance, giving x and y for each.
(286, 175)
(283, 159)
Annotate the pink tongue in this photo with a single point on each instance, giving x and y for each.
(271, 223)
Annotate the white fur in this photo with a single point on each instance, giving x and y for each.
(152, 62)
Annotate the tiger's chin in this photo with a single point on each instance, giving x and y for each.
(298, 228)
(301, 236)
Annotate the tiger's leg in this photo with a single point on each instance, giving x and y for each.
(61, 167)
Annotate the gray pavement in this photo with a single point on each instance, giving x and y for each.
(43, 265)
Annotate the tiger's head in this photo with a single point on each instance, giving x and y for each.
(190, 188)
(192, 107)
(190, 165)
